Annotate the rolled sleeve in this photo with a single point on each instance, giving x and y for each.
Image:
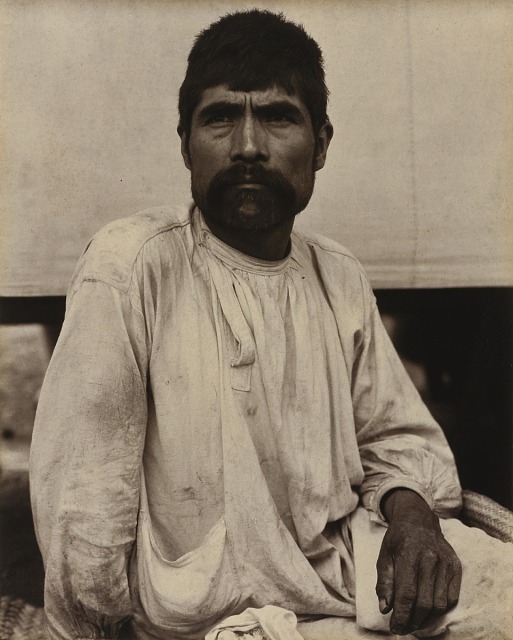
(85, 462)
(400, 443)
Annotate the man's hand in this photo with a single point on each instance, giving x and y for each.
(419, 574)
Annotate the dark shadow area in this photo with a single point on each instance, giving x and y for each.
(464, 340)
(21, 565)
(48, 310)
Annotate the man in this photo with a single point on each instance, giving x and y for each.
(223, 396)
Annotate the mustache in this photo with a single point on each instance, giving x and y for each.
(241, 173)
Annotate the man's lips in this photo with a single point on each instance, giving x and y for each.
(248, 185)
(249, 182)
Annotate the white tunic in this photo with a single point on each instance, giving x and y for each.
(225, 414)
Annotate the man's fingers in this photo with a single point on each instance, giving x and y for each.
(446, 592)
(385, 583)
(427, 582)
(438, 585)
(453, 592)
(441, 593)
(405, 594)
(447, 585)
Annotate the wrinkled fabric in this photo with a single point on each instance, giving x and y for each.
(268, 623)
(198, 396)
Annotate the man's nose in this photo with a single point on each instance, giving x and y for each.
(249, 141)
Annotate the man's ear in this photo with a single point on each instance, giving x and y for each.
(322, 142)
(184, 147)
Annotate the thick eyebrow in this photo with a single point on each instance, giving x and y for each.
(279, 108)
(232, 109)
(222, 107)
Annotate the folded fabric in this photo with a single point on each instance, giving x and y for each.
(267, 623)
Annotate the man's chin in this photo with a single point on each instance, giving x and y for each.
(249, 214)
(248, 207)
(252, 218)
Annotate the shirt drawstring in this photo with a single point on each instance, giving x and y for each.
(224, 292)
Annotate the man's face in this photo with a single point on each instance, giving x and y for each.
(252, 156)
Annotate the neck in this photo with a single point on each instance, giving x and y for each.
(265, 244)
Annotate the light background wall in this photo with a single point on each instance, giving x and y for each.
(419, 180)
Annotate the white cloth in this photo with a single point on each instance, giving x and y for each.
(260, 397)
(276, 624)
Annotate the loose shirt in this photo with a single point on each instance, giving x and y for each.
(207, 422)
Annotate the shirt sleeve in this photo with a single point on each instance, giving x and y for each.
(85, 462)
(400, 443)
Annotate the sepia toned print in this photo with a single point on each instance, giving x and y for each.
(226, 442)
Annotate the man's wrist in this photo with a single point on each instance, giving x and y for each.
(401, 504)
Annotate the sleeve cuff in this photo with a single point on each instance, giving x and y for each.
(372, 501)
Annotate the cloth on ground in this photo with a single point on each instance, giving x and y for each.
(276, 623)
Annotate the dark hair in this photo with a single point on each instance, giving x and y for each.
(255, 50)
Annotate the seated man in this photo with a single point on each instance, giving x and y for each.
(224, 424)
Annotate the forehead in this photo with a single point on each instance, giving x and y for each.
(256, 98)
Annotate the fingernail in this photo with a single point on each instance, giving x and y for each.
(383, 605)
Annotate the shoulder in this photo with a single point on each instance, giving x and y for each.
(342, 275)
(329, 252)
(113, 252)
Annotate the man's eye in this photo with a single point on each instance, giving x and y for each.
(280, 119)
(219, 120)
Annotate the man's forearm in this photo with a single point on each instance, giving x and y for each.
(405, 504)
